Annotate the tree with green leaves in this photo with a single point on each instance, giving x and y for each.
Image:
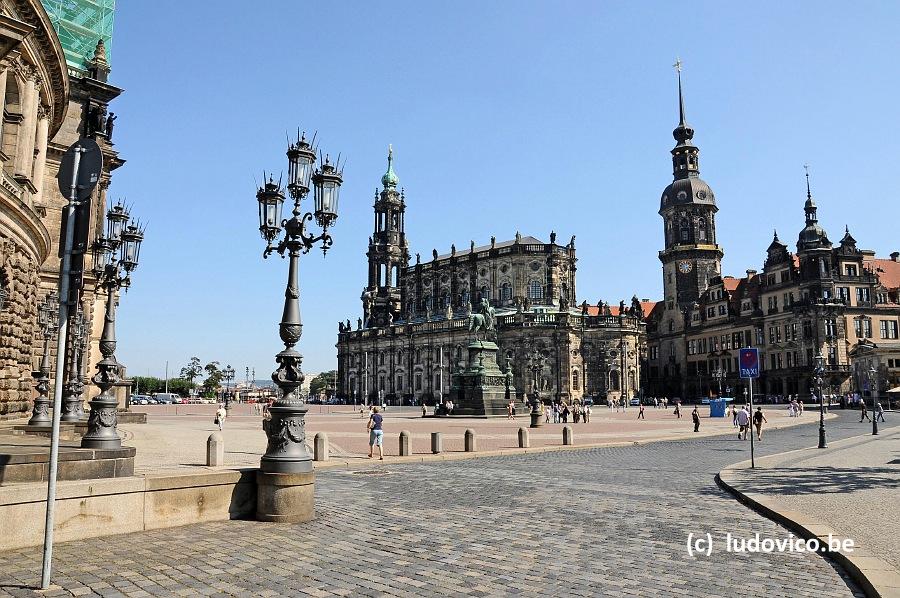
(213, 380)
(192, 370)
(321, 382)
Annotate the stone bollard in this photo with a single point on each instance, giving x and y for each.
(215, 450)
(568, 439)
(469, 441)
(321, 450)
(405, 448)
(437, 444)
(523, 438)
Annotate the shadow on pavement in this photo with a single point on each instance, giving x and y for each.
(793, 481)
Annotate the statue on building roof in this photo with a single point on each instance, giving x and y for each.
(434, 254)
(340, 326)
(359, 323)
(472, 246)
(493, 241)
(453, 249)
(637, 310)
(418, 258)
(110, 122)
(449, 313)
(552, 237)
(518, 237)
(347, 327)
(621, 308)
(572, 242)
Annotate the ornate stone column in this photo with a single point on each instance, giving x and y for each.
(28, 127)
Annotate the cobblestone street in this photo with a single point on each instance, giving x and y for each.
(608, 521)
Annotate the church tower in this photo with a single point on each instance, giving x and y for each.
(691, 258)
(388, 253)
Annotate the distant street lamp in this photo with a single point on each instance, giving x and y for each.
(115, 258)
(819, 373)
(719, 375)
(286, 451)
(48, 320)
(536, 361)
(873, 385)
(72, 407)
(228, 374)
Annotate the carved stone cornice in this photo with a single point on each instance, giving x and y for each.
(51, 53)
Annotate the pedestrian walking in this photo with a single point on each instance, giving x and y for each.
(678, 409)
(695, 416)
(879, 411)
(758, 420)
(863, 412)
(221, 414)
(376, 433)
(424, 410)
(547, 413)
(587, 414)
(576, 413)
(734, 416)
(641, 411)
(743, 420)
(565, 413)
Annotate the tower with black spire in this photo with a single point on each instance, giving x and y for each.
(691, 258)
(388, 253)
(814, 252)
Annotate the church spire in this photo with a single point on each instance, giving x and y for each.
(810, 206)
(390, 178)
(685, 162)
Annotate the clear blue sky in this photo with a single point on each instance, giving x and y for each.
(504, 116)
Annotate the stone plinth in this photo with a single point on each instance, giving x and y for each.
(285, 497)
(481, 389)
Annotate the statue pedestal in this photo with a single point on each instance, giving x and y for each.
(481, 389)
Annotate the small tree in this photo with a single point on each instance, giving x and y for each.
(321, 382)
(147, 385)
(180, 386)
(213, 379)
(192, 371)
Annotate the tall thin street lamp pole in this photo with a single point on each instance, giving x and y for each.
(819, 373)
(286, 451)
(873, 383)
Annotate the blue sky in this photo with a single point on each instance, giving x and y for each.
(504, 116)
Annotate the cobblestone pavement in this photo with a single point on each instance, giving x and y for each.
(606, 521)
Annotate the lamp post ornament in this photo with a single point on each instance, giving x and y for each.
(286, 451)
(47, 318)
(115, 258)
(73, 409)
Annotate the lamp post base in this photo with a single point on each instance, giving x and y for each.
(101, 431)
(40, 415)
(822, 441)
(286, 451)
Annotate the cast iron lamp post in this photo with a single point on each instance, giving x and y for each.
(719, 375)
(228, 374)
(47, 318)
(286, 451)
(819, 373)
(537, 365)
(72, 407)
(873, 384)
(115, 258)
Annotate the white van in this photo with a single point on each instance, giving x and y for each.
(167, 397)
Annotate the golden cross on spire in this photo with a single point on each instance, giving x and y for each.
(677, 65)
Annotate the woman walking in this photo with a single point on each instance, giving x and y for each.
(758, 419)
(376, 432)
(695, 416)
(221, 414)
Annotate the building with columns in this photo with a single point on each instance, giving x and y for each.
(414, 325)
(52, 97)
(839, 301)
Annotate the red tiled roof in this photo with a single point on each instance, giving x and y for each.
(647, 306)
(888, 271)
(731, 283)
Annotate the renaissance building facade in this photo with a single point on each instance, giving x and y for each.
(838, 301)
(53, 75)
(414, 326)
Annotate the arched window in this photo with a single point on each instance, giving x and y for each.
(445, 297)
(685, 230)
(429, 302)
(701, 223)
(614, 380)
(464, 297)
(505, 291)
(381, 358)
(535, 290)
(576, 380)
(484, 293)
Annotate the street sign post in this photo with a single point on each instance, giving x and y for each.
(79, 172)
(748, 361)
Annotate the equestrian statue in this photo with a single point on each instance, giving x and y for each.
(483, 321)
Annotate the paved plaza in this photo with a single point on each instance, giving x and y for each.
(602, 521)
(188, 427)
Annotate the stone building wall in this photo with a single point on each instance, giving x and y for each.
(18, 319)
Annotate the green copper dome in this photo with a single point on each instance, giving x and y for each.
(390, 178)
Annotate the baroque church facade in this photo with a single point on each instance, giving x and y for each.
(414, 328)
(840, 302)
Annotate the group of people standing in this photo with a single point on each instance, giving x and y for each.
(560, 412)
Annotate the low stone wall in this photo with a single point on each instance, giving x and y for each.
(93, 508)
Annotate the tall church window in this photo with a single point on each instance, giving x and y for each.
(614, 380)
(575, 379)
(685, 230)
(535, 290)
(702, 232)
(505, 291)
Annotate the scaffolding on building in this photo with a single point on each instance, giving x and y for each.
(79, 24)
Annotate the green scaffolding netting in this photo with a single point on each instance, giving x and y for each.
(79, 24)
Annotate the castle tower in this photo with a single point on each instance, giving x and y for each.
(388, 253)
(691, 257)
(814, 252)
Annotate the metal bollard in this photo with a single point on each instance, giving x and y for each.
(568, 439)
(320, 447)
(215, 450)
(469, 441)
(437, 444)
(523, 438)
(405, 448)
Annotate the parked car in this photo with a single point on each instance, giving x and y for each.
(166, 398)
(634, 402)
(140, 400)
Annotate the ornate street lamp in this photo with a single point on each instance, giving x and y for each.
(48, 314)
(228, 374)
(819, 373)
(536, 360)
(115, 258)
(873, 385)
(72, 407)
(286, 451)
(719, 375)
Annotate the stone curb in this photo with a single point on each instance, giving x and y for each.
(877, 578)
(343, 462)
